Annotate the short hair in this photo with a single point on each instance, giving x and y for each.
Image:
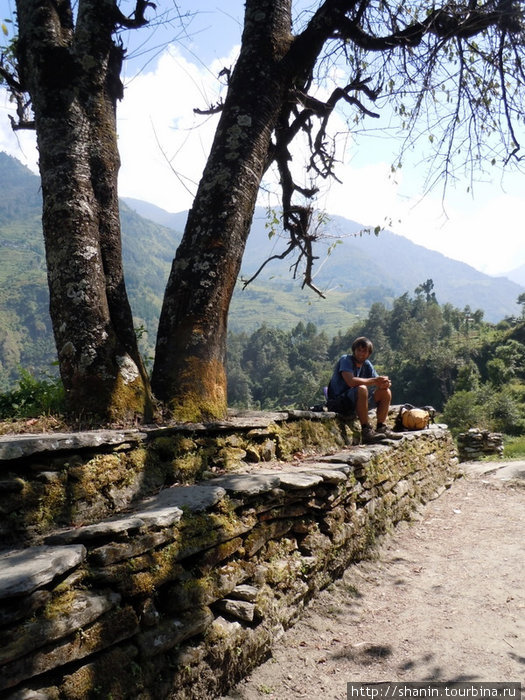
(363, 342)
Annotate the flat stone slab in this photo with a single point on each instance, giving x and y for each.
(351, 456)
(332, 473)
(249, 484)
(19, 446)
(300, 479)
(117, 525)
(23, 571)
(83, 608)
(196, 498)
(27, 444)
(159, 511)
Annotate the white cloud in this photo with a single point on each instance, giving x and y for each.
(484, 230)
(163, 144)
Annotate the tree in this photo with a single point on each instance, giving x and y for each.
(271, 100)
(521, 302)
(455, 69)
(427, 288)
(69, 64)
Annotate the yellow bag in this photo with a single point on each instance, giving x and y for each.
(415, 419)
(411, 418)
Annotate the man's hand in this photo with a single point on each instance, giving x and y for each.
(383, 383)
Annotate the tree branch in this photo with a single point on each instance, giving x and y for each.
(441, 23)
(23, 104)
(214, 109)
(137, 18)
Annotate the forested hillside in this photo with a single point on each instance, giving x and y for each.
(26, 338)
(439, 355)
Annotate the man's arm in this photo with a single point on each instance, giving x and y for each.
(382, 382)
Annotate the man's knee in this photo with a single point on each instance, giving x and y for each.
(362, 393)
(383, 395)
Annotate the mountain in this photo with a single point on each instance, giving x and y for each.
(359, 271)
(517, 275)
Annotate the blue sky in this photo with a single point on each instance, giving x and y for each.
(163, 147)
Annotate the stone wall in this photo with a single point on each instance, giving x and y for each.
(157, 589)
(476, 444)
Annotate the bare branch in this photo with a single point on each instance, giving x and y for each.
(23, 103)
(214, 109)
(440, 22)
(137, 18)
(510, 125)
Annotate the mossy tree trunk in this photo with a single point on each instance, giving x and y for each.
(71, 71)
(189, 370)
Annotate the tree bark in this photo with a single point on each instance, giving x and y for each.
(189, 370)
(72, 76)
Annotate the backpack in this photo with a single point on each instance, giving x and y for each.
(412, 418)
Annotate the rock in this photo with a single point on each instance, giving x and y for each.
(74, 611)
(18, 446)
(300, 480)
(172, 632)
(245, 592)
(23, 571)
(248, 484)
(108, 630)
(17, 608)
(237, 608)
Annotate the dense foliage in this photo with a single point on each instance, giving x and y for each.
(471, 370)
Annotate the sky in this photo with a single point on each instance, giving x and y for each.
(164, 144)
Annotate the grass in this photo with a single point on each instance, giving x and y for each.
(514, 447)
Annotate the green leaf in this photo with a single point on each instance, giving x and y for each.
(4, 29)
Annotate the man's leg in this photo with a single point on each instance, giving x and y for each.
(382, 397)
(368, 434)
(361, 404)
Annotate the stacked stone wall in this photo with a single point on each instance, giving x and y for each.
(184, 589)
(476, 444)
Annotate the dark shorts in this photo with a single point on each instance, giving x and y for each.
(346, 402)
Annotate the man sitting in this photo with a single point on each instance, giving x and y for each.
(350, 390)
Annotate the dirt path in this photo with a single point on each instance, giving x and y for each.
(444, 599)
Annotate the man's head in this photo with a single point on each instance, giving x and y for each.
(362, 343)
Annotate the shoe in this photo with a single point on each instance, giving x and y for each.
(383, 429)
(369, 435)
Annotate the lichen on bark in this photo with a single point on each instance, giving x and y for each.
(70, 67)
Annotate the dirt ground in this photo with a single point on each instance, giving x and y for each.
(443, 599)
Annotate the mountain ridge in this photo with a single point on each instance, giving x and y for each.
(386, 260)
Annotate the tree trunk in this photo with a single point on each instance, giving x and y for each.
(189, 370)
(72, 76)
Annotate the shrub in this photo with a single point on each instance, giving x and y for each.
(485, 408)
(462, 412)
(33, 397)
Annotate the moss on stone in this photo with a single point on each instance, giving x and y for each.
(60, 604)
(112, 675)
(294, 436)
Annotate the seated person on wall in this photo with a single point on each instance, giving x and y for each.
(350, 390)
